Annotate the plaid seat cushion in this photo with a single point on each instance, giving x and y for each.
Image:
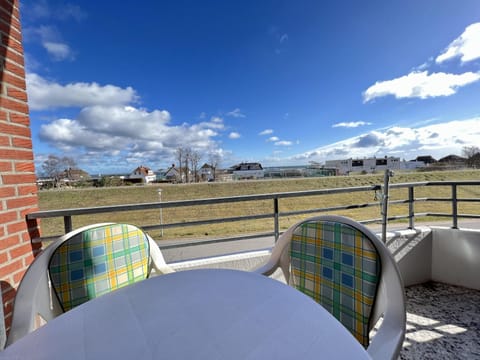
(98, 261)
(338, 267)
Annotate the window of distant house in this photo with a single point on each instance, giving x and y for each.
(357, 162)
(381, 162)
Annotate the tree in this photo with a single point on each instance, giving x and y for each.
(472, 154)
(180, 156)
(188, 156)
(214, 160)
(194, 160)
(55, 167)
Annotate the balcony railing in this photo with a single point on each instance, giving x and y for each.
(388, 202)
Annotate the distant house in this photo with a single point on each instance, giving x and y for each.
(207, 172)
(251, 170)
(74, 175)
(426, 159)
(172, 174)
(454, 160)
(142, 174)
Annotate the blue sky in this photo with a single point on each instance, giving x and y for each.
(116, 84)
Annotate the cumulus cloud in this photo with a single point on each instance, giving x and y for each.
(126, 132)
(437, 140)
(236, 113)
(234, 135)
(58, 51)
(351, 124)
(266, 132)
(369, 140)
(44, 94)
(421, 85)
(466, 46)
(273, 138)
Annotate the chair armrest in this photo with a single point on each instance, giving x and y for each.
(388, 341)
(158, 261)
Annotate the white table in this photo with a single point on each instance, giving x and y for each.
(196, 314)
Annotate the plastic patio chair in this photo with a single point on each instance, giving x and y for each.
(82, 265)
(344, 267)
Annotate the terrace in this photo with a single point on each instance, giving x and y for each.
(438, 260)
(439, 265)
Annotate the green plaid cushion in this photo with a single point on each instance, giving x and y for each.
(338, 267)
(98, 261)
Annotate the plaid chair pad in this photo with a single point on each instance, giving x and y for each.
(338, 267)
(98, 261)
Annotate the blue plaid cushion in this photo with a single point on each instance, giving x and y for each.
(97, 261)
(338, 267)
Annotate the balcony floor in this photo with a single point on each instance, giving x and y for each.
(443, 322)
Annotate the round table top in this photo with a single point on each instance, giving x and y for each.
(201, 314)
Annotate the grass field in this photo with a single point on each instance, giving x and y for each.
(92, 197)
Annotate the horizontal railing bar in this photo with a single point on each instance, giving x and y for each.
(332, 208)
(435, 183)
(450, 199)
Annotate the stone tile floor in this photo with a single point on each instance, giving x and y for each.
(443, 322)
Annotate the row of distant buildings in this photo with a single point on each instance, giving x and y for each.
(254, 170)
(374, 164)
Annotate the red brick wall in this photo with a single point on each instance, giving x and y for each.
(18, 192)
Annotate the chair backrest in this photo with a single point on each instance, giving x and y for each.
(346, 268)
(339, 267)
(79, 266)
(98, 260)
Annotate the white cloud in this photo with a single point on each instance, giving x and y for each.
(273, 138)
(51, 40)
(58, 51)
(351, 124)
(44, 94)
(283, 143)
(437, 140)
(466, 47)
(40, 9)
(266, 132)
(421, 85)
(123, 133)
(234, 135)
(236, 113)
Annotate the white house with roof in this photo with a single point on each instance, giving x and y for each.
(143, 174)
(367, 165)
(250, 170)
(207, 172)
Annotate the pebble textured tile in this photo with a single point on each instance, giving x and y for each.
(443, 322)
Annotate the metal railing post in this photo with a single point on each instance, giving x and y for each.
(386, 180)
(275, 218)
(411, 209)
(67, 223)
(454, 207)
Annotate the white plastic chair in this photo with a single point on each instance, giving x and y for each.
(320, 256)
(42, 291)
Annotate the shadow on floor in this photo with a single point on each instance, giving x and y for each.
(443, 322)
